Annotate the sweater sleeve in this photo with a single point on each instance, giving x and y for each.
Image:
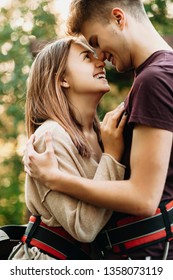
(82, 220)
(109, 169)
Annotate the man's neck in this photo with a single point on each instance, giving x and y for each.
(146, 42)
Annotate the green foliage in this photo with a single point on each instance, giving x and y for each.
(12, 207)
(159, 12)
(21, 24)
(120, 84)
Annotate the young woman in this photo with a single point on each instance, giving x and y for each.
(121, 32)
(65, 85)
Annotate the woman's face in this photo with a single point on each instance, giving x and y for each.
(85, 74)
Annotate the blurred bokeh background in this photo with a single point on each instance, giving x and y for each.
(25, 25)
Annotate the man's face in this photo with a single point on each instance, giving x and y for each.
(110, 43)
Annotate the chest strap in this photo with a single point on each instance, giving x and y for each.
(54, 241)
(132, 232)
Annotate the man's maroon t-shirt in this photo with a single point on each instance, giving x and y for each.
(150, 103)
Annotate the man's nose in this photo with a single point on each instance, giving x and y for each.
(101, 55)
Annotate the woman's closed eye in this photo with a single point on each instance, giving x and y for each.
(87, 56)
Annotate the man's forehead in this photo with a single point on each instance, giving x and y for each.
(88, 29)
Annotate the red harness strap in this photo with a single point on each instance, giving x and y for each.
(134, 232)
(54, 241)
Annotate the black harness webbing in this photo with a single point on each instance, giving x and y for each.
(10, 236)
(139, 233)
(14, 232)
(55, 242)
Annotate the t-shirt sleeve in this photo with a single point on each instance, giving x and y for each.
(152, 99)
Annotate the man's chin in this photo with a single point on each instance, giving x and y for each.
(123, 70)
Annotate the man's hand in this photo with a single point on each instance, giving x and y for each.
(40, 166)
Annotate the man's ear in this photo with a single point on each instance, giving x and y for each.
(64, 83)
(118, 17)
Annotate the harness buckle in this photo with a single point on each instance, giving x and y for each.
(166, 220)
(109, 242)
(31, 229)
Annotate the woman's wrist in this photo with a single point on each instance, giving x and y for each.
(114, 159)
(116, 156)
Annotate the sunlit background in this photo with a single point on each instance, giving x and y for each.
(60, 6)
(60, 9)
(24, 24)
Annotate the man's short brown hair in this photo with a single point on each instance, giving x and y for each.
(84, 10)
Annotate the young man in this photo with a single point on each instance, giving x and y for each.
(121, 32)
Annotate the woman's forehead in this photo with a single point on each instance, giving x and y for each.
(84, 46)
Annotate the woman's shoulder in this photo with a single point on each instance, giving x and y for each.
(51, 126)
(59, 134)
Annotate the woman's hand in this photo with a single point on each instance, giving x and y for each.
(112, 132)
(40, 166)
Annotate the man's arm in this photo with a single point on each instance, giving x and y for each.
(141, 194)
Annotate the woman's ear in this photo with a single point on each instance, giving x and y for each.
(65, 83)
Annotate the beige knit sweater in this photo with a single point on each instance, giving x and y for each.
(83, 221)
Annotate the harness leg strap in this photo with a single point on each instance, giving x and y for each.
(166, 220)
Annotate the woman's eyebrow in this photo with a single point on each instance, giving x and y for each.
(87, 51)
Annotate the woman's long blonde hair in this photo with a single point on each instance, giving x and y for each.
(46, 98)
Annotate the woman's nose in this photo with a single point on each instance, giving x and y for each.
(100, 63)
